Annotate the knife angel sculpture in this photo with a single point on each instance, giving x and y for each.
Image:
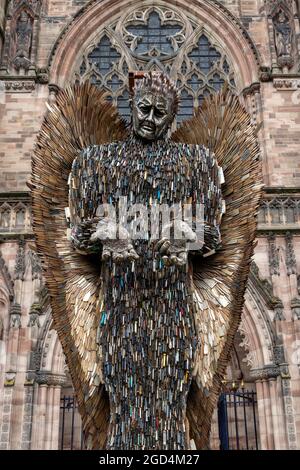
(146, 322)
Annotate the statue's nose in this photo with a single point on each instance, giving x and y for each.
(151, 115)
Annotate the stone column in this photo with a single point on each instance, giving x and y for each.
(265, 379)
(27, 418)
(289, 413)
(274, 413)
(48, 418)
(268, 412)
(35, 417)
(6, 418)
(56, 417)
(262, 425)
(39, 431)
(45, 433)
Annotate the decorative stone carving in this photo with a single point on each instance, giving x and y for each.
(273, 255)
(20, 38)
(15, 214)
(252, 89)
(157, 38)
(23, 32)
(280, 213)
(286, 83)
(15, 5)
(290, 258)
(42, 75)
(265, 74)
(289, 412)
(15, 316)
(265, 373)
(10, 378)
(282, 32)
(278, 353)
(278, 310)
(295, 306)
(258, 304)
(20, 261)
(36, 267)
(265, 289)
(284, 371)
(30, 378)
(246, 345)
(20, 86)
(47, 378)
(35, 359)
(6, 276)
(53, 88)
(283, 39)
(34, 314)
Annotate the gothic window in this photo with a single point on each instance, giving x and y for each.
(276, 212)
(20, 216)
(263, 213)
(157, 38)
(291, 211)
(5, 216)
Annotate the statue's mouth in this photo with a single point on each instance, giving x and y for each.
(148, 127)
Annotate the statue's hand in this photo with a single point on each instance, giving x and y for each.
(116, 245)
(174, 251)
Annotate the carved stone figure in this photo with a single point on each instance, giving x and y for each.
(283, 38)
(295, 306)
(23, 41)
(146, 322)
(20, 261)
(15, 315)
(34, 314)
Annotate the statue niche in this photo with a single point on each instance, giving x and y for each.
(283, 33)
(22, 41)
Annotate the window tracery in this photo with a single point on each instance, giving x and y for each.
(157, 38)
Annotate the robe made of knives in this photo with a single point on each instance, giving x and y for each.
(146, 331)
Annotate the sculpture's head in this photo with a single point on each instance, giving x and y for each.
(23, 16)
(154, 106)
(281, 16)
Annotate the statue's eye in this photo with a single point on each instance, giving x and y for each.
(159, 113)
(145, 109)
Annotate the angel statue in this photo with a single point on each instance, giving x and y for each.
(145, 305)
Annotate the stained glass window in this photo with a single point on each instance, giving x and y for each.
(154, 38)
(157, 38)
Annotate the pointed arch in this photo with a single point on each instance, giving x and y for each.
(258, 332)
(94, 17)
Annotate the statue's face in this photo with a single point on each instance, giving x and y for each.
(23, 16)
(281, 17)
(152, 115)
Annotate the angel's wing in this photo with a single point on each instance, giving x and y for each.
(80, 117)
(219, 281)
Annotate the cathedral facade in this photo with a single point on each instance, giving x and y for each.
(253, 46)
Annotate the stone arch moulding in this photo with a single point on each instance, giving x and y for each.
(256, 356)
(52, 356)
(259, 338)
(97, 14)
